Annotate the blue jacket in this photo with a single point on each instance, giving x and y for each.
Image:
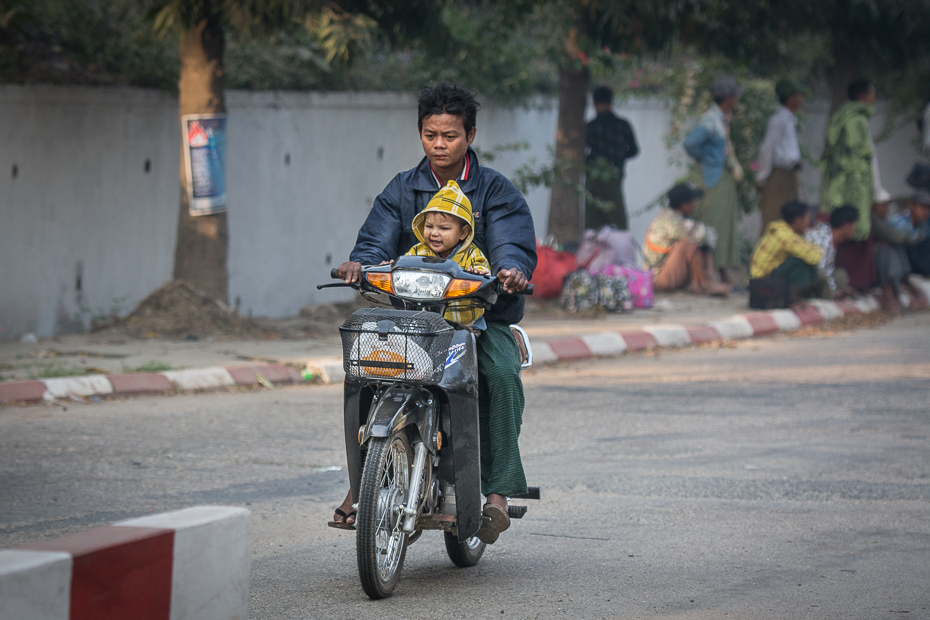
(503, 225)
(707, 143)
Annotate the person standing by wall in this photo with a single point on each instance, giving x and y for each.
(709, 143)
(850, 176)
(780, 155)
(610, 142)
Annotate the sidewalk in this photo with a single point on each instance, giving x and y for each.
(91, 365)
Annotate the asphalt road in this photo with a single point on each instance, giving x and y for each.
(781, 478)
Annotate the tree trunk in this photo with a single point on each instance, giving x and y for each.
(565, 206)
(203, 241)
(845, 67)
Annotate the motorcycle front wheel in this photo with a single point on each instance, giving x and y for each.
(380, 540)
(464, 554)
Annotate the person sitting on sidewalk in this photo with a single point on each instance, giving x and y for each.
(915, 222)
(842, 227)
(891, 260)
(783, 253)
(679, 249)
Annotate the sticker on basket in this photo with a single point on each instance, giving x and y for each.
(456, 352)
(383, 363)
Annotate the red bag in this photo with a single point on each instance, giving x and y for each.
(551, 268)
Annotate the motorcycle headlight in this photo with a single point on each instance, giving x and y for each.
(420, 284)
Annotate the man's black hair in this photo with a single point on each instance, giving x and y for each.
(790, 211)
(841, 216)
(602, 94)
(857, 88)
(448, 99)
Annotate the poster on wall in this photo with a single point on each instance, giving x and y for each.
(205, 162)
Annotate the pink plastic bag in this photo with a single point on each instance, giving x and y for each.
(641, 285)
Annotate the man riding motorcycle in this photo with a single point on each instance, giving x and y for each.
(505, 233)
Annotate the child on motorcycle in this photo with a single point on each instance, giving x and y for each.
(445, 229)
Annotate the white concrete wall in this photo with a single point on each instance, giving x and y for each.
(81, 200)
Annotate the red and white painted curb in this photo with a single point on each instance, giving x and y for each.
(192, 563)
(330, 369)
(148, 383)
(736, 327)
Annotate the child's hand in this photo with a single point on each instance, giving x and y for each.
(478, 271)
(386, 262)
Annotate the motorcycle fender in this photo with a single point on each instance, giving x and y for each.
(398, 407)
(389, 413)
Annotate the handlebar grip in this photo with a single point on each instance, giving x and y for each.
(528, 290)
(332, 274)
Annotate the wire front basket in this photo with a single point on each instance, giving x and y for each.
(395, 345)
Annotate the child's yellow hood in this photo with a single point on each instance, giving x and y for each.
(450, 199)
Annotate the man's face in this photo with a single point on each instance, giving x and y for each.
(445, 141)
(846, 232)
(729, 104)
(869, 97)
(687, 208)
(919, 213)
(801, 224)
(881, 209)
(795, 102)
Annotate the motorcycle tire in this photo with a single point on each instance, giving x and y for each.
(381, 543)
(464, 554)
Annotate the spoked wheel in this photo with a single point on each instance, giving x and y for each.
(466, 553)
(380, 540)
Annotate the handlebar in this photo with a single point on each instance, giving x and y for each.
(333, 274)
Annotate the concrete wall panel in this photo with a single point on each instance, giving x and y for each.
(85, 229)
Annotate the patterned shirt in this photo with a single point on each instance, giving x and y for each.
(670, 227)
(821, 235)
(778, 242)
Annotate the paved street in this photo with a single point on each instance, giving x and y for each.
(778, 478)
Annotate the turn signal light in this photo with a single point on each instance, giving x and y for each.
(361, 429)
(460, 288)
(381, 281)
(438, 440)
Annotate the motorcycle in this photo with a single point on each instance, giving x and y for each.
(411, 414)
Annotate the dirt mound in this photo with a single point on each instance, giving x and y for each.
(179, 310)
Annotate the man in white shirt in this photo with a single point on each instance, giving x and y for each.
(779, 155)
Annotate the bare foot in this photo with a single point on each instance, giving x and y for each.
(346, 508)
(718, 289)
(889, 301)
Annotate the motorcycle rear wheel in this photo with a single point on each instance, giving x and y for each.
(381, 543)
(464, 554)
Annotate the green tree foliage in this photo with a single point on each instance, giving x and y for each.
(885, 40)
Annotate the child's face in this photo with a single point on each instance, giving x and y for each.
(442, 232)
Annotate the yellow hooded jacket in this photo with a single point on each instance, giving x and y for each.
(451, 199)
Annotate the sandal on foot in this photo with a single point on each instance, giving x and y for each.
(494, 520)
(343, 525)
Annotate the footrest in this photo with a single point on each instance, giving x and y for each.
(516, 512)
(531, 493)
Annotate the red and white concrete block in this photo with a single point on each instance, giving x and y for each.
(191, 564)
(736, 327)
(149, 383)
